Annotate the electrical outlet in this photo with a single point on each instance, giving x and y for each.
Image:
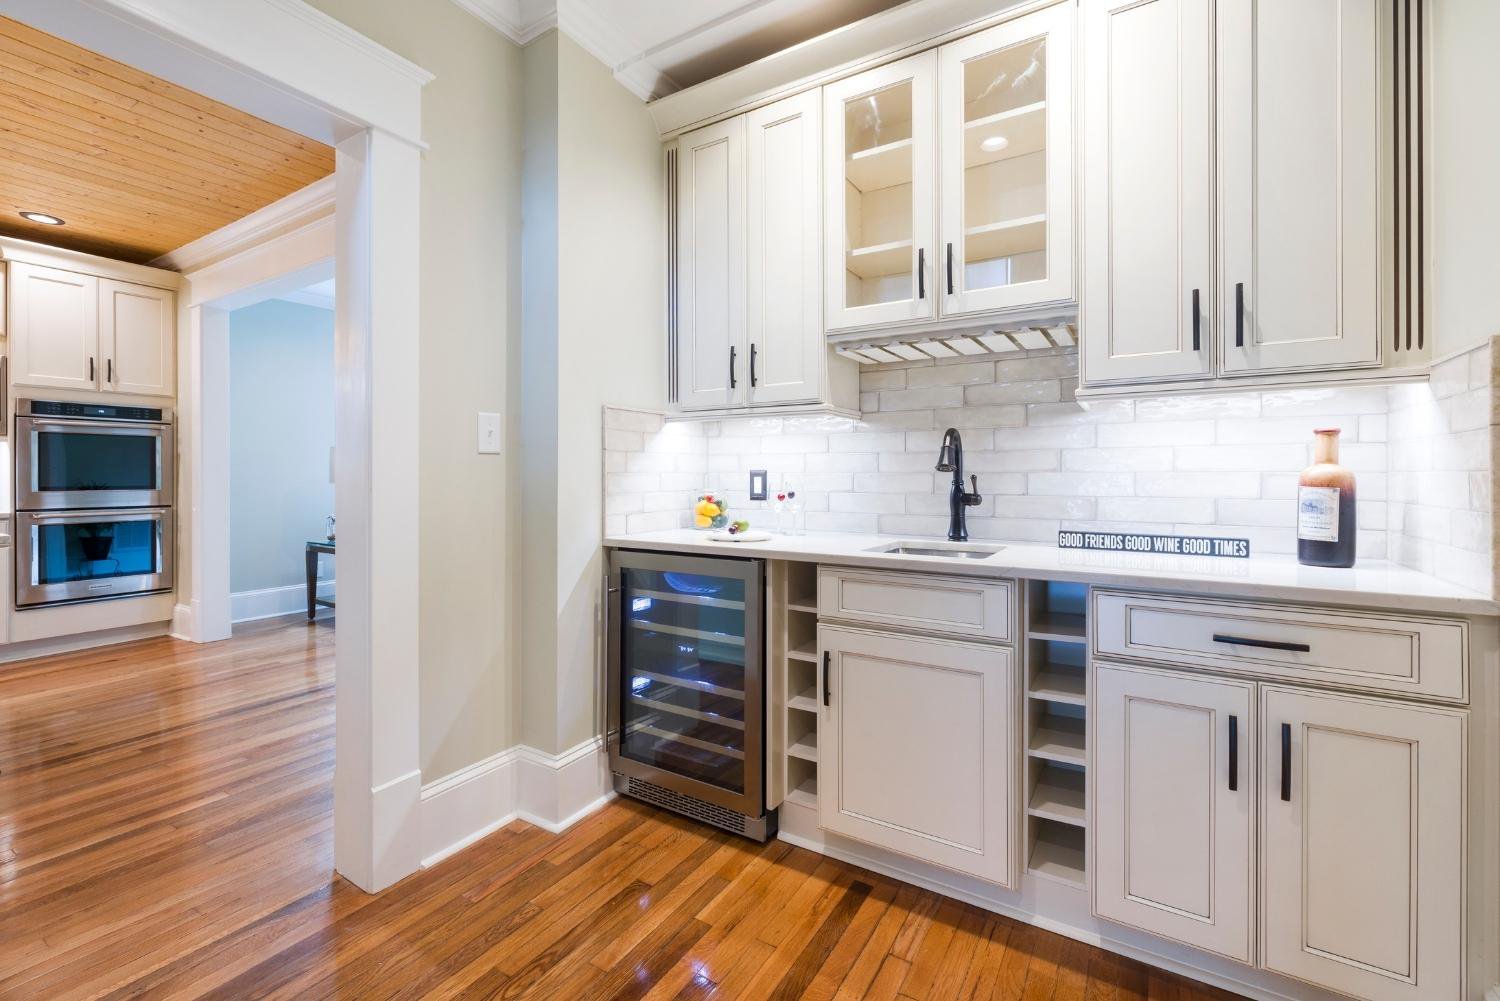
(489, 434)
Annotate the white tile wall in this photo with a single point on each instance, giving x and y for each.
(1223, 464)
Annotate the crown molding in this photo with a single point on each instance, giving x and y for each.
(522, 21)
(296, 210)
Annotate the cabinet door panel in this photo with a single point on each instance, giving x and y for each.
(1006, 156)
(54, 328)
(878, 195)
(784, 239)
(916, 748)
(137, 338)
(1173, 843)
(1148, 170)
(711, 268)
(1362, 863)
(1304, 194)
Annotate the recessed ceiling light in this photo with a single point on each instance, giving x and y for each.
(994, 144)
(43, 218)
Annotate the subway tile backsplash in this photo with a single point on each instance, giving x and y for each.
(1221, 464)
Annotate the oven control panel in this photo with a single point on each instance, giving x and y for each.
(92, 411)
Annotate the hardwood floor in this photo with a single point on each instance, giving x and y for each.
(165, 832)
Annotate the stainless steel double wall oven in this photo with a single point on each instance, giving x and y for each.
(94, 490)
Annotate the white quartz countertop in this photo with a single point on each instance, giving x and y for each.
(1368, 584)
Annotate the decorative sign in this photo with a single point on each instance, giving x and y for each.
(1166, 545)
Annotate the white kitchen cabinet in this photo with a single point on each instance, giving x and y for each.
(916, 748)
(1362, 844)
(879, 196)
(54, 328)
(711, 265)
(75, 331)
(784, 252)
(137, 338)
(1148, 173)
(1005, 165)
(1173, 777)
(1304, 193)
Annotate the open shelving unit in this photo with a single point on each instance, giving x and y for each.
(1056, 770)
(793, 649)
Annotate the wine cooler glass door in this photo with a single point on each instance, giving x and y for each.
(686, 691)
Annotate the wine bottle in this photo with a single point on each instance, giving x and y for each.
(1325, 506)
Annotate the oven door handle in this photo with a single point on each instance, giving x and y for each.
(96, 516)
(93, 427)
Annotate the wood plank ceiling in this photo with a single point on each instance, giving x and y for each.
(134, 165)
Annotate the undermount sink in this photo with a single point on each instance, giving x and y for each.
(944, 550)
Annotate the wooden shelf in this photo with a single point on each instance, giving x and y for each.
(806, 794)
(1025, 128)
(1059, 627)
(1005, 239)
(1059, 738)
(1059, 795)
(881, 260)
(880, 166)
(807, 604)
(805, 748)
(807, 651)
(1060, 683)
(806, 701)
(1058, 854)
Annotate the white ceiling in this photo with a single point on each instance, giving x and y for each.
(656, 47)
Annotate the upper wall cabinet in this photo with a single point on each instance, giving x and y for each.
(78, 332)
(748, 269)
(949, 193)
(1237, 190)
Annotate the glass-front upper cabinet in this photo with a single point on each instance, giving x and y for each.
(879, 198)
(1005, 158)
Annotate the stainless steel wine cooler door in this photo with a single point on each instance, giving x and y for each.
(686, 676)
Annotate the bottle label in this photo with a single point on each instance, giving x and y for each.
(1318, 514)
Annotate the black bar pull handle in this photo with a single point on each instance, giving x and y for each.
(1239, 314)
(950, 269)
(753, 379)
(1234, 753)
(732, 381)
(1262, 644)
(1197, 325)
(827, 692)
(1286, 762)
(921, 272)
(91, 369)
(109, 371)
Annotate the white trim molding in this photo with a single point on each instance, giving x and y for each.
(552, 791)
(293, 212)
(271, 602)
(522, 21)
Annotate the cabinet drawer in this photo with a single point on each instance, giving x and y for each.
(917, 601)
(1412, 655)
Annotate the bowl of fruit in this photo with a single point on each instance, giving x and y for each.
(710, 512)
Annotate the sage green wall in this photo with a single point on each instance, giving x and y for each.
(470, 312)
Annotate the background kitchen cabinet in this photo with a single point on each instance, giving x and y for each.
(76, 331)
(1362, 844)
(916, 748)
(54, 328)
(1148, 173)
(1173, 779)
(711, 264)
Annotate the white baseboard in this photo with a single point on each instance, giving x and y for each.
(269, 602)
(182, 623)
(520, 783)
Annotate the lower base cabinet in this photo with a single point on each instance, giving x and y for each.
(1362, 844)
(916, 748)
(1355, 809)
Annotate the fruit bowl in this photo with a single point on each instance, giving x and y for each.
(710, 512)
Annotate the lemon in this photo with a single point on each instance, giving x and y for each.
(702, 521)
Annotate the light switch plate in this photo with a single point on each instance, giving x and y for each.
(757, 484)
(489, 434)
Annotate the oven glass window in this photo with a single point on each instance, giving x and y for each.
(683, 708)
(69, 552)
(81, 461)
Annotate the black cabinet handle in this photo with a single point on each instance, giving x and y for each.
(732, 381)
(1234, 753)
(109, 371)
(950, 269)
(921, 272)
(1239, 314)
(1197, 331)
(827, 693)
(1262, 644)
(1286, 762)
(91, 370)
(752, 365)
